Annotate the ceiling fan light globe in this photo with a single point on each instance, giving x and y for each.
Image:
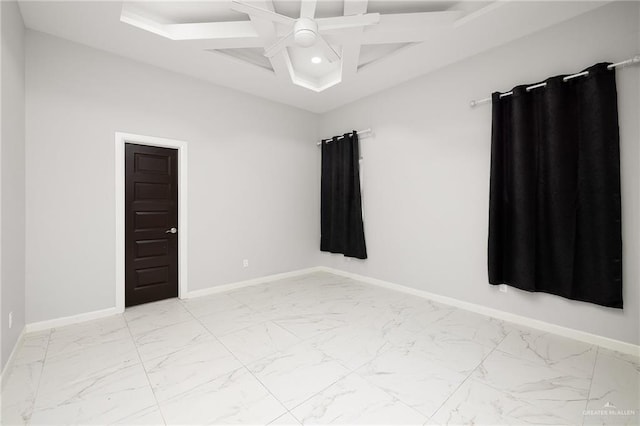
(305, 32)
(305, 38)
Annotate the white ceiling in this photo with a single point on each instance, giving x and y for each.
(481, 26)
(341, 36)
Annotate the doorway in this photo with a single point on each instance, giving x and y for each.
(151, 212)
(151, 223)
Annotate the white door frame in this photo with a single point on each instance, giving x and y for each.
(181, 146)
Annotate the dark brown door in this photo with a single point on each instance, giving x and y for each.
(151, 252)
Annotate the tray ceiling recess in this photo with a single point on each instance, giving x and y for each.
(316, 44)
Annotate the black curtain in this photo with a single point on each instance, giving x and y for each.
(554, 215)
(342, 230)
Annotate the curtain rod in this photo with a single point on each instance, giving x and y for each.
(634, 60)
(342, 137)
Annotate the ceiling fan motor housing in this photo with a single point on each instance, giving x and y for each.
(305, 32)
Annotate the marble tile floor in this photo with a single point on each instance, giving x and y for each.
(316, 349)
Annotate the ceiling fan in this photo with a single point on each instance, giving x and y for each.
(306, 31)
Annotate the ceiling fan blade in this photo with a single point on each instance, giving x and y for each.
(308, 8)
(258, 12)
(329, 52)
(276, 47)
(344, 22)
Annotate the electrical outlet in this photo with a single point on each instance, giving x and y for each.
(245, 263)
(10, 319)
(503, 288)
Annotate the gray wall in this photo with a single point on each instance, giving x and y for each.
(251, 167)
(253, 172)
(426, 171)
(12, 223)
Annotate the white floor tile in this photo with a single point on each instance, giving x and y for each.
(353, 346)
(412, 378)
(33, 349)
(234, 398)
(551, 395)
(147, 416)
(352, 400)
(16, 415)
(18, 394)
(263, 297)
(163, 341)
(225, 322)
(209, 305)
(431, 312)
(189, 367)
(469, 325)
(510, 390)
(477, 403)
(306, 326)
(258, 341)
(395, 328)
(297, 373)
(446, 349)
(318, 349)
(103, 398)
(615, 392)
(558, 352)
(68, 377)
(285, 419)
(152, 316)
(80, 336)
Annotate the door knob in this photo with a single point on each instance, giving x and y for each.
(171, 231)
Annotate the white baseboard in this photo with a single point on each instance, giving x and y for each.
(73, 319)
(6, 370)
(583, 336)
(88, 316)
(605, 342)
(248, 283)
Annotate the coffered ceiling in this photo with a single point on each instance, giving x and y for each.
(340, 51)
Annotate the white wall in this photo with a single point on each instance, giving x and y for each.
(12, 177)
(426, 170)
(251, 173)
